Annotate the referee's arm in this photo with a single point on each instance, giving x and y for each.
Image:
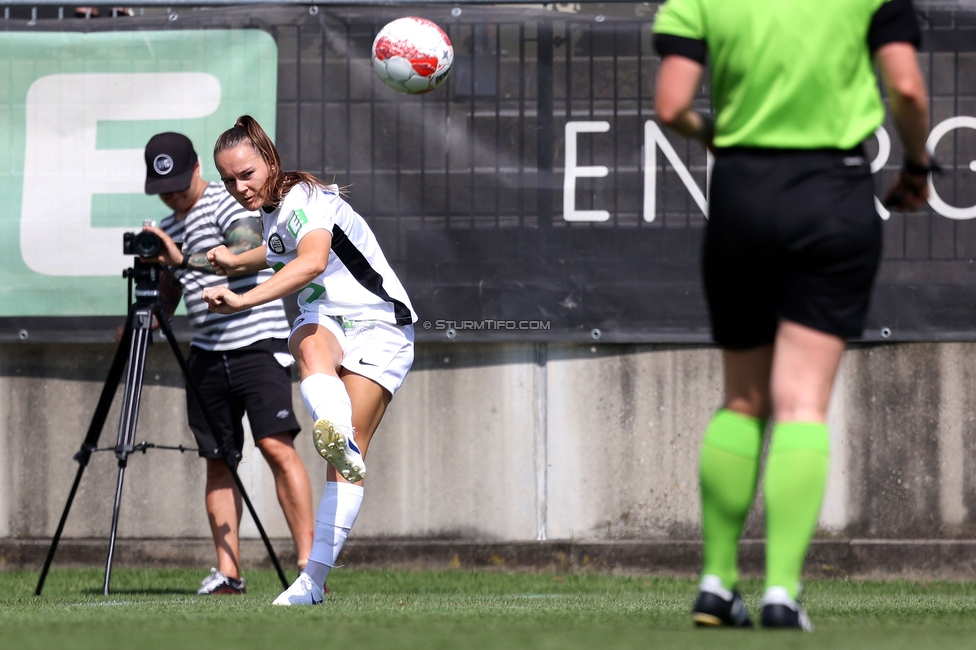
(909, 101)
(893, 38)
(677, 81)
(682, 64)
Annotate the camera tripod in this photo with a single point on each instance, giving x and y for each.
(131, 357)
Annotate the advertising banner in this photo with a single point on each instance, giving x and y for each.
(532, 196)
(77, 111)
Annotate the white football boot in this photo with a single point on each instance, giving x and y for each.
(338, 446)
(301, 592)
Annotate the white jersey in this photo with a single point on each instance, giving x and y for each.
(358, 282)
(205, 228)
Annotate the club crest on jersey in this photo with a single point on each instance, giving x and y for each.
(275, 244)
(163, 164)
(298, 219)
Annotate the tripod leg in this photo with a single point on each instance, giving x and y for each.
(115, 525)
(164, 325)
(91, 441)
(57, 535)
(140, 340)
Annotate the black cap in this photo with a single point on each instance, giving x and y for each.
(170, 160)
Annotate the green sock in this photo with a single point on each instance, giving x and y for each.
(795, 480)
(728, 470)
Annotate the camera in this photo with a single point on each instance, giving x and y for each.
(142, 243)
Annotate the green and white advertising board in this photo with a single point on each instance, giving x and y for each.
(76, 111)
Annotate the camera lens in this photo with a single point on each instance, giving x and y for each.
(147, 244)
(143, 244)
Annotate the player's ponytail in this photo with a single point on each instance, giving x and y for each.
(247, 131)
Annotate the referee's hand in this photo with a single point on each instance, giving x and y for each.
(908, 193)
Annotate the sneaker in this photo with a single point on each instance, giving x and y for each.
(301, 592)
(779, 611)
(716, 605)
(218, 583)
(339, 448)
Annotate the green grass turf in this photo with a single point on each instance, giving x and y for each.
(459, 609)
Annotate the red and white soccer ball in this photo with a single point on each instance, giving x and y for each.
(412, 55)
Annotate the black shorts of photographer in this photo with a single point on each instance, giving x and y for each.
(234, 382)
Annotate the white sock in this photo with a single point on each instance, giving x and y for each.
(337, 513)
(317, 572)
(325, 396)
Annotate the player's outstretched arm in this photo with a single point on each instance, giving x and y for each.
(677, 82)
(244, 235)
(223, 261)
(910, 109)
(312, 258)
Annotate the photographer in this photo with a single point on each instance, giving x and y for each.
(239, 362)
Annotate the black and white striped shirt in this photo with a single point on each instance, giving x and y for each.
(204, 228)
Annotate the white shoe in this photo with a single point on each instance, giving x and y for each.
(218, 583)
(301, 592)
(338, 446)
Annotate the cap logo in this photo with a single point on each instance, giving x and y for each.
(163, 164)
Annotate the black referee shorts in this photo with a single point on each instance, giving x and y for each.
(234, 382)
(791, 235)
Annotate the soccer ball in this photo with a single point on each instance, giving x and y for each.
(412, 55)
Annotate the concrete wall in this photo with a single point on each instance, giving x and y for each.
(508, 443)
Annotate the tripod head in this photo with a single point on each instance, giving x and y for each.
(145, 276)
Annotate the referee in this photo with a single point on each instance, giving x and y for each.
(791, 247)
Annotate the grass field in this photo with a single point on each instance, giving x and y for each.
(456, 609)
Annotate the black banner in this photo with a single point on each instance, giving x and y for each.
(534, 197)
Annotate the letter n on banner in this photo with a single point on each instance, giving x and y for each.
(654, 138)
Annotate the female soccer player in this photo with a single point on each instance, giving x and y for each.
(791, 247)
(354, 338)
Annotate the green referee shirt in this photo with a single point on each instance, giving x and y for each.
(791, 74)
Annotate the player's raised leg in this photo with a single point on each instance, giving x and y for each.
(319, 355)
(341, 500)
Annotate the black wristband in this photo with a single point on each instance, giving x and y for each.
(183, 264)
(913, 168)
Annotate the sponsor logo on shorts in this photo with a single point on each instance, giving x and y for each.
(275, 244)
(283, 413)
(363, 362)
(163, 164)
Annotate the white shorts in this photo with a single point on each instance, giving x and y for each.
(376, 350)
